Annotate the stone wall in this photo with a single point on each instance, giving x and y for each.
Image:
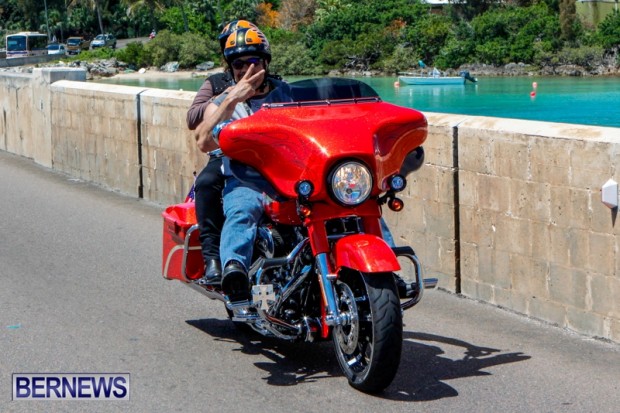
(25, 111)
(509, 212)
(17, 112)
(505, 211)
(95, 129)
(535, 236)
(170, 155)
(129, 139)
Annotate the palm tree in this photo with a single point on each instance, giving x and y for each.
(181, 4)
(151, 5)
(56, 22)
(93, 4)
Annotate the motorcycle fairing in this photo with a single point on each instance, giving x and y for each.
(365, 253)
(289, 143)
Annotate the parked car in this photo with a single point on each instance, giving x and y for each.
(76, 44)
(104, 40)
(56, 48)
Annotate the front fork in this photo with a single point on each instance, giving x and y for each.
(327, 278)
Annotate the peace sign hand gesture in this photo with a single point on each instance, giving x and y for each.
(246, 88)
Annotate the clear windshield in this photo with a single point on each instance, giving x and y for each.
(73, 42)
(16, 43)
(330, 89)
(99, 37)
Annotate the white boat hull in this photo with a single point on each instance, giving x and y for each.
(430, 80)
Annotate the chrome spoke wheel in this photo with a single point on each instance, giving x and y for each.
(368, 341)
(347, 334)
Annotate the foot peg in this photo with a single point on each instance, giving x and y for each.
(410, 290)
(430, 283)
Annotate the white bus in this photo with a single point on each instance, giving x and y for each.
(25, 44)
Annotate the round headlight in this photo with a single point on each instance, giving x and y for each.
(351, 183)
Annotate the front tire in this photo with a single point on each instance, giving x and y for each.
(368, 344)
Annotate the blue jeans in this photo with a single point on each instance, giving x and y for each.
(243, 209)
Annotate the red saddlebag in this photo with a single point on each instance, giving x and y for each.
(182, 257)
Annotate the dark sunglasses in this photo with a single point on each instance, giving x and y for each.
(239, 64)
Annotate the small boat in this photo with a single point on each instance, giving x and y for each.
(435, 77)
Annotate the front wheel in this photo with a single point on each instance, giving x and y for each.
(368, 342)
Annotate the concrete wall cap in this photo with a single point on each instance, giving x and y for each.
(16, 75)
(97, 87)
(543, 129)
(171, 94)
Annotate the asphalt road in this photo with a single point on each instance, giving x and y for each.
(81, 291)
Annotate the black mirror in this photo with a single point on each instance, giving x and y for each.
(413, 161)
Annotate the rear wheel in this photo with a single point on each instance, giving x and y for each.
(368, 343)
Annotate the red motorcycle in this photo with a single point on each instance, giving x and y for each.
(322, 269)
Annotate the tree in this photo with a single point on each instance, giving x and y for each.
(511, 34)
(267, 17)
(172, 19)
(150, 5)
(93, 4)
(29, 11)
(180, 4)
(568, 15)
(80, 19)
(468, 9)
(429, 36)
(57, 23)
(296, 12)
(241, 9)
(609, 30)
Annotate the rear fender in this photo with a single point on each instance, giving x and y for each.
(365, 253)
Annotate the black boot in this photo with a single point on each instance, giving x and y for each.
(235, 283)
(213, 274)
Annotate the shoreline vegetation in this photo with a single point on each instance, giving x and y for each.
(340, 37)
(113, 68)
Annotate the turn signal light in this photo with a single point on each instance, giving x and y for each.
(396, 204)
(305, 211)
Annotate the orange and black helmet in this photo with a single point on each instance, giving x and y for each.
(247, 41)
(232, 26)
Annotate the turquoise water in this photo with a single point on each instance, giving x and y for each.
(587, 101)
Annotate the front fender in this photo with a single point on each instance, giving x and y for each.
(365, 253)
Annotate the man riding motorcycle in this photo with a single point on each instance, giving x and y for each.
(210, 182)
(248, 53)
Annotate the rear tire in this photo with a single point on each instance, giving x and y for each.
(368, 348)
